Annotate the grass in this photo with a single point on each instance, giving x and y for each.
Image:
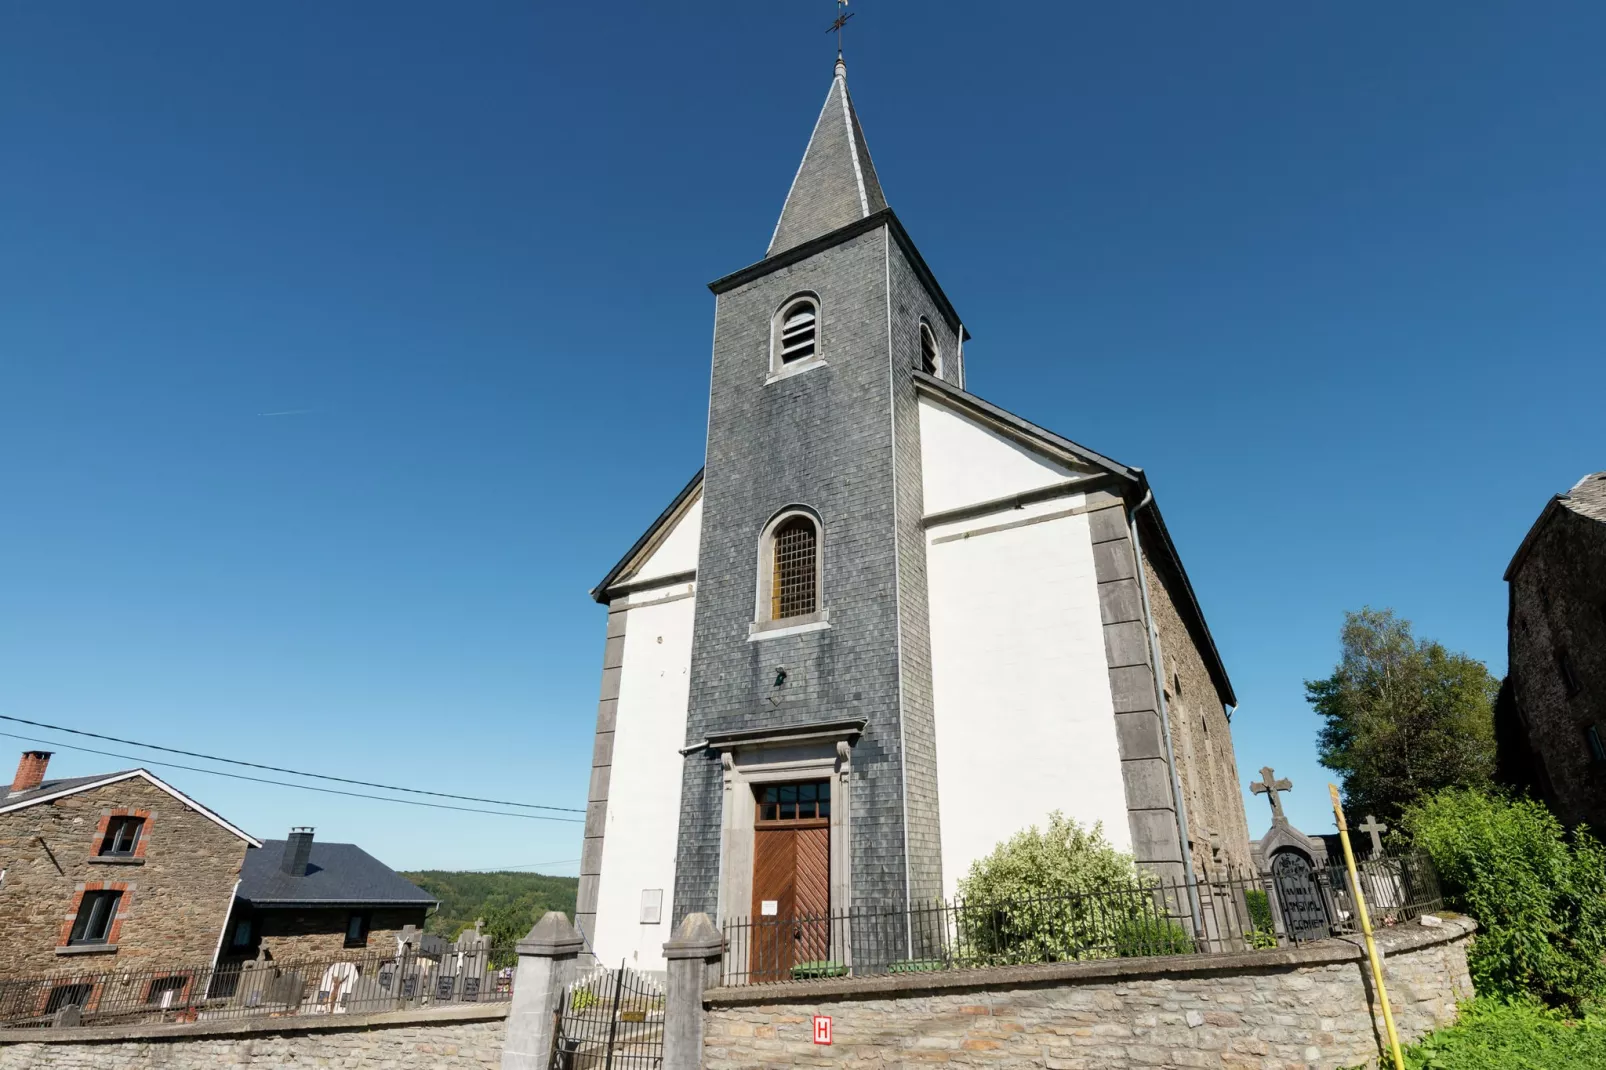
(1491, 1035)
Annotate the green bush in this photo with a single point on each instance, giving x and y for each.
(1539, 899)
(1259, 904)
(1049, 896)
(1137, 937)
(1261, 939)
(1493, 1035)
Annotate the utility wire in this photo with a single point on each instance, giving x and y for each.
(284, 784)
(278, 769)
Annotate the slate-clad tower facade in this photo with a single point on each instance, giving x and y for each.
(837, 438)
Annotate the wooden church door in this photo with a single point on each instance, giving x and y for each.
(791, 878)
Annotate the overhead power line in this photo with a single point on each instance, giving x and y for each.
(276, 768)
(286, 784)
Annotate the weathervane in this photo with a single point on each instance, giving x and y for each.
(842, 18)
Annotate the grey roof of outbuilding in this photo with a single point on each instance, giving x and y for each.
(1587, 499)
(338, 874)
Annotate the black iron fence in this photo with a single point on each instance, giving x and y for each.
(259, 989)
(1227, 912)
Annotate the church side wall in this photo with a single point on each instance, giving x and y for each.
(642, 809)
(1025, 723)
(1201, 735)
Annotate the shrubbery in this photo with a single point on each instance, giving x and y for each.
(1492, 1035)
(1538, 896)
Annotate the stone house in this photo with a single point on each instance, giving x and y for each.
(119, 869)
(1552, 717)
(301, 899)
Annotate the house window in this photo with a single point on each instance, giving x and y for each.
(794, 802)
(1597, 749)
(94, 922)
(68, 996)
(928, 349)
(122, 837)
(796, 332)
(794, 586)
(1569, 679)
(166, 991)
(357, 930)
(242, 933)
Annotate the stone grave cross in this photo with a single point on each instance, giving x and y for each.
(1373, 827)
(1268, 784)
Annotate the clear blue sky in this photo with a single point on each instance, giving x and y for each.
(1334, 277)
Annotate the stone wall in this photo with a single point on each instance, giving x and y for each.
(1272, 1010)
(176, 895)
(291, 935)
(1201, 735)
(1558, 616)
(458, 1039)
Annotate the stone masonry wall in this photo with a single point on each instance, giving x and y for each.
(176, 895)
(378, 1042)
(1288, 1010)
(1558, 610)
(290, 935)
(1201, 735)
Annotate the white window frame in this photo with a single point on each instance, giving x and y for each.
(764, 625)
(936, 348)
(777, 368)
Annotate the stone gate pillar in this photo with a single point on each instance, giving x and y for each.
(695, 954)
(548, 957)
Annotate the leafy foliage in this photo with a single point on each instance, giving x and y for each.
(1136, 937)
(1540, 899)
(510, 903)
(1403, 717)
(1051, 895)
(1495, 1035)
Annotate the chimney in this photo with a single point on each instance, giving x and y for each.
(31, 770)
(297, 850)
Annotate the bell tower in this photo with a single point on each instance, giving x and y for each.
(810, 764)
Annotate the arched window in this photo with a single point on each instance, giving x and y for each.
(928, 349)
(797, 331)
(794, 567)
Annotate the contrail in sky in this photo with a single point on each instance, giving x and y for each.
(286, 412)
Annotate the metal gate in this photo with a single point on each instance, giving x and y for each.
(610, 1019)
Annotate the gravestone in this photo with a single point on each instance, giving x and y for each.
(1292, 864)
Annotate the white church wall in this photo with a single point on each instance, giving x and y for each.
(643, 817)
(1025, 723)
(678, 551)
(963, 463)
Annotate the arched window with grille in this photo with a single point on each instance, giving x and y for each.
(929, 357)
(794, 588)
(796, 332)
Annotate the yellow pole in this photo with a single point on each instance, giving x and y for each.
(1366, 928)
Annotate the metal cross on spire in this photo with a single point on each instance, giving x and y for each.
(842, 17)
(1268, 784)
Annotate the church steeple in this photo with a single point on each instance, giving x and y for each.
(836, 183)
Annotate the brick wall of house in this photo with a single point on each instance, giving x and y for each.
(177, 890)
(290, 935)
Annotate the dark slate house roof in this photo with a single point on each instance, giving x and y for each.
(337, 874)
(63, 786)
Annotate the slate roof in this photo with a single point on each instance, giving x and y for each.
(836, 184)
(1588, 497)
(63, 786)
(338, 874)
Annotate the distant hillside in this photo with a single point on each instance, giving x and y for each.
(510, 903)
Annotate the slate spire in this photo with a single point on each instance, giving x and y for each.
(836, 183)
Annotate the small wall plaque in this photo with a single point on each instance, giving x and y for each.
(769, 908)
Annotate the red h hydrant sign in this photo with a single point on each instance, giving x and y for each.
(822, 1029)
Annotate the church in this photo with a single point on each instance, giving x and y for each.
(889, 624)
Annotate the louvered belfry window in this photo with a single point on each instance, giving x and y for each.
(928, 350)
(799, 327)
(794, 590)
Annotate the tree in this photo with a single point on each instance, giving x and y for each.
(1539, 895)
(1404, 717)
